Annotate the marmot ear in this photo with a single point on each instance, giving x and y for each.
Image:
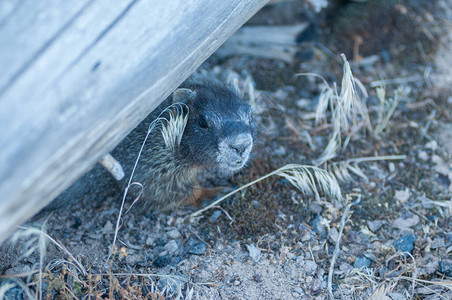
(183, 95)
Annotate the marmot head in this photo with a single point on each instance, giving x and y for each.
(220, 128)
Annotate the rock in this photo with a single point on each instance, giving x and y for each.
(171, 247)
(448, 239)
(214, 217)
(422, 155)
(315, 208)
(174, 234)
(195, 246)
(402, 196)
(319, 227)
(257, 278)
(175, 260)
(255, 253)
(108, 227)
(437, 243)
(298, 290)
(310, 267)
(445, 267)
(392, 167)
(431, 267)
(405, 243)
(333, 234)
(361, 262)
(440, 165)
(402, 224)
(18, 270)
(134, 259)
(162, 261)
(374, 225)
(432, 145)
(149, 257)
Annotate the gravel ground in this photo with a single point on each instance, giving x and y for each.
(391, 237)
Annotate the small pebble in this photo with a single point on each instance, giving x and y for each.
(310, 267)
(432, 145)
(108, 227)
(255, 253)
(298, 290)
(149, 257)
(257, 278)
(174, 234)
(333, 234)
(171, 247)
(237, 283)
(402, 196)
(374, 225)
(175, 260)
(315, 208)
(449, 239)
(361, 262)
(318, 226)
(422, 155)
(214, 217)
(437, 243)
(196, 247)
(392, 167)
(134, 259)
(405, 223)
(405, 243)
(162, 261)
(445, 267)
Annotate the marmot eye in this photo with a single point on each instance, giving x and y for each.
(202, 122)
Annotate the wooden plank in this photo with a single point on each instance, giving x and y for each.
(95, 79)
(21, 21)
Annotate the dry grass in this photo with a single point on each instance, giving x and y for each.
(307, 179)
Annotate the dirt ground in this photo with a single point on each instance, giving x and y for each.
(389, 238)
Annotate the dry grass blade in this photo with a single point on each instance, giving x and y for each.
(386, 108)
(308, 179)
(176, 115)
(342, 169)
(381, 292)
(43, 245)
(348, 93)
(348, 112)
(331, 150)
(345, 216)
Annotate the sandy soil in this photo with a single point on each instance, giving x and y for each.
(270, 241)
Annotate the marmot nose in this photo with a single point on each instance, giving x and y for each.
(240, 148)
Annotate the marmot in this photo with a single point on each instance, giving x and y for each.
(203, 125)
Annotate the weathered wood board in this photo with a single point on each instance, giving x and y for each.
(77, 76)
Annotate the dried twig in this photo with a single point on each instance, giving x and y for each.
(338, 243)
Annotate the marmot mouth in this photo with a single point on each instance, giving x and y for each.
(233, 166)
